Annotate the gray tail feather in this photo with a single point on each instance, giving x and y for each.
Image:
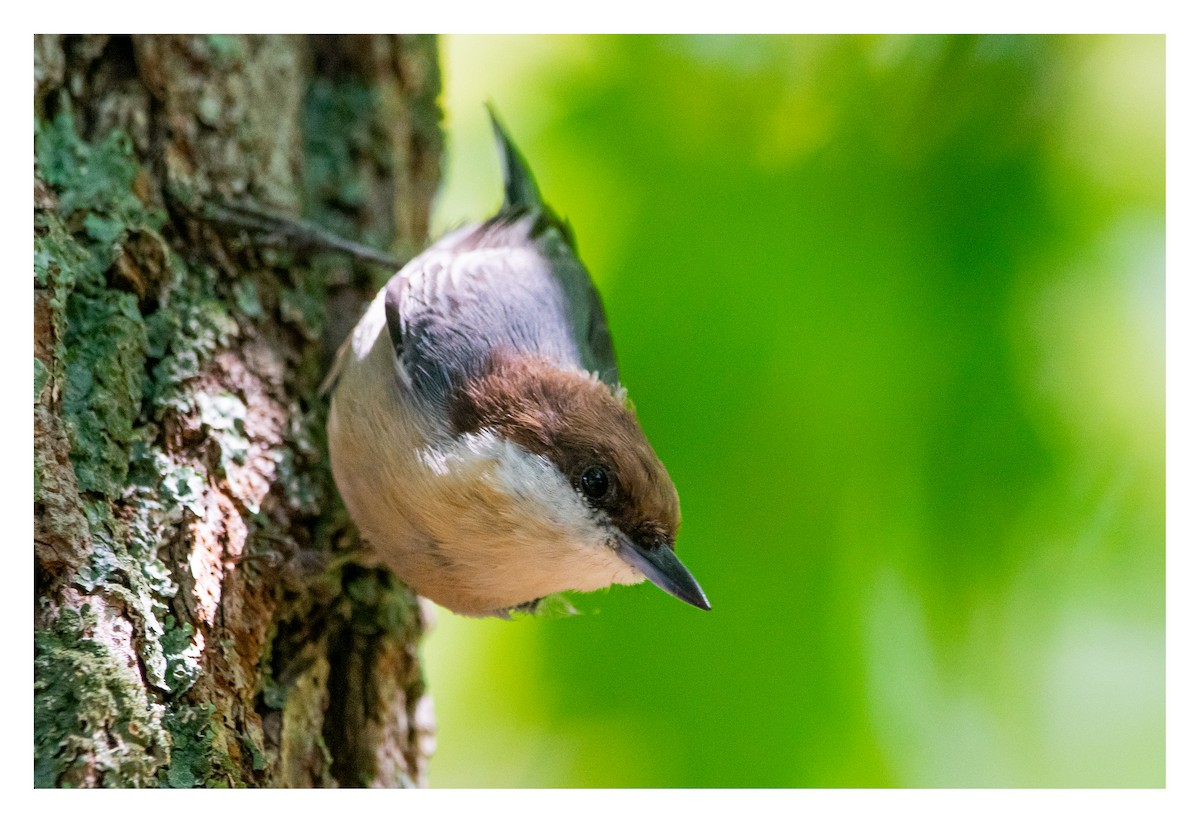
(520, 190)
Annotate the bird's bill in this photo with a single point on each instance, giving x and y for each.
(662, 568)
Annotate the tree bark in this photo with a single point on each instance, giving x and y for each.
(198, 622)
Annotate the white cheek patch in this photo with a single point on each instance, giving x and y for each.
(536, 482)
(436, 460)
(549, 506)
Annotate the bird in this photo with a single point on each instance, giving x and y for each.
(478, 432)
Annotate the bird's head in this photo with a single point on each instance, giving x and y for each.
(590, 438)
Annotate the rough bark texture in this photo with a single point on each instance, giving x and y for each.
(196, 621)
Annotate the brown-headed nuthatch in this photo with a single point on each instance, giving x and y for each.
(478, 433)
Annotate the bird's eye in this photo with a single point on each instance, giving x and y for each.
(594, 482)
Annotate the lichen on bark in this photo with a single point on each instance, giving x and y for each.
(189, 605)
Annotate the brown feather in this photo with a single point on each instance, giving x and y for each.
(574, 421)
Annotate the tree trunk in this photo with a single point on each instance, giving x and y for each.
(197, 620)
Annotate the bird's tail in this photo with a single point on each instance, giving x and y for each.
(520, 189)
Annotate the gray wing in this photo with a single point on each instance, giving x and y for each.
(508, 284)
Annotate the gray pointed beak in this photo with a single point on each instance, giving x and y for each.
(663, 569)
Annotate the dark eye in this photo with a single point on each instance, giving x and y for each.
(594, 482)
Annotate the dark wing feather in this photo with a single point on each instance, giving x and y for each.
(513, 282)
(588, 322)
(495, 287)
(520, 190)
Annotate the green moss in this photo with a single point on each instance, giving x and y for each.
(199, 754)
(101, 706)
(305, 309)
(379, 602)
(102, 337)
(305, 493)
(107, 344)
(274, 693)
(181, 656)
(96, 179)
(345, 146)
(121, 375)
(190, 326)
(91, 711)
(246, 295)
(196, 756)
(253, 745)
(58, 260)
(105, 356)
(226, 48)
(124, 564)
(337, 129)
(41, 374)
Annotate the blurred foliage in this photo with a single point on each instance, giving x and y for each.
(891, 309)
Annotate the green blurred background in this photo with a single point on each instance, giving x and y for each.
(892, 312)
